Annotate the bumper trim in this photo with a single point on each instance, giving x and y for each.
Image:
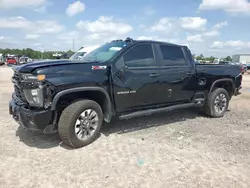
(36, 120)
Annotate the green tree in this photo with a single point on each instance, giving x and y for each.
(200, 57)
(34, 54)
(228, 58)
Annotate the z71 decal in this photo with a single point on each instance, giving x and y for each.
(99, 67)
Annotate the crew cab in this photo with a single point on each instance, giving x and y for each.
(123, 78)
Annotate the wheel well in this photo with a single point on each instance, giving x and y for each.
(227, 85)
(96, 96)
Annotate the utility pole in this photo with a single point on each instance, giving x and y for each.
(73, 45)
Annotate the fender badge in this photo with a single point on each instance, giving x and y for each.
(99, 67)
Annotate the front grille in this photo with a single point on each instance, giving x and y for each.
(19, 94)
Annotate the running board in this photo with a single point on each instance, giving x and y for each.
(159, 110)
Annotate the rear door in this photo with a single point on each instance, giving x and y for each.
(135, 79)
(178, 75)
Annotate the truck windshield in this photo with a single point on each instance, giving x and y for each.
(77, 55)
(105, 52)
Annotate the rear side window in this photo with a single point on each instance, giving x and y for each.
(172, 56)
(139, 56)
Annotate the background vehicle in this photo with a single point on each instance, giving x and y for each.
(11, 61)
(197, 61)
(1, 60)
(24, 60)
(242, 66)
(225, 63)
(82, 52)
(121, 78)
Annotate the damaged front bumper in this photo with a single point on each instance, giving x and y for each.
(37, 120)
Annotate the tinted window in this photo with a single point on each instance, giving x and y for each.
(172, 56)
(139, 56)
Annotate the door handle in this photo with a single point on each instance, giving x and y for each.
(154, 74)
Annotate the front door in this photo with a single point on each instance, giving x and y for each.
(135, 79)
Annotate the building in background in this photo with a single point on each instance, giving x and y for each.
(242, 58)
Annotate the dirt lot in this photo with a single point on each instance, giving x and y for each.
(180, 149)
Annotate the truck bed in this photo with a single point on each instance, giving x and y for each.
(213, 72)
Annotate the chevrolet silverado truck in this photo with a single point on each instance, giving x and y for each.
(122, 78)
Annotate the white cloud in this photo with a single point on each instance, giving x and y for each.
(46, 26)
(149, 38)
(217, 44)
(193, 23)
(2, 37)
(232, 6)
(32, 36)
(14, 22)
(75, 8)
(163, 25)
(203, 36)
(105, 25)
(234, 44)
(220, 25)
(211, 33)
(8, 4)
(195, 38)
(40, 26)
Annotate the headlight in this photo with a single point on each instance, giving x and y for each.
(39, 77)
(34, 97)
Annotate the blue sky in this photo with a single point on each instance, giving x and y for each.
(210, 27)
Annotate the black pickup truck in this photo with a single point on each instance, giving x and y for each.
(123, 78)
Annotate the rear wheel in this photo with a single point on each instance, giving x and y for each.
(217, 103)
(80, 123)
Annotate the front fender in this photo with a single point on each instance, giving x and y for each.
(57, 97)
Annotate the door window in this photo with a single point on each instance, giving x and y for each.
(139, 56)
(172, 56)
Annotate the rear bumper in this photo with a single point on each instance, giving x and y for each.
(36, 120)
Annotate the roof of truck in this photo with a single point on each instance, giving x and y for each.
(130, 40)
(158, 42)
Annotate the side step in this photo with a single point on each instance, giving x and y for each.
(159, 110)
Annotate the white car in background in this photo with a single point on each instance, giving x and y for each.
(82, 52)
(24, 60)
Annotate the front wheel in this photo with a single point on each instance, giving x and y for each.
(217, 103)
(80, 123)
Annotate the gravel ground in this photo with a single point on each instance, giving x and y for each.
(179, 149)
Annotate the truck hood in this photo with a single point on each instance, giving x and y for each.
(28, 68)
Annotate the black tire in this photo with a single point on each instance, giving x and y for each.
(210, 108)
(67, 122)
